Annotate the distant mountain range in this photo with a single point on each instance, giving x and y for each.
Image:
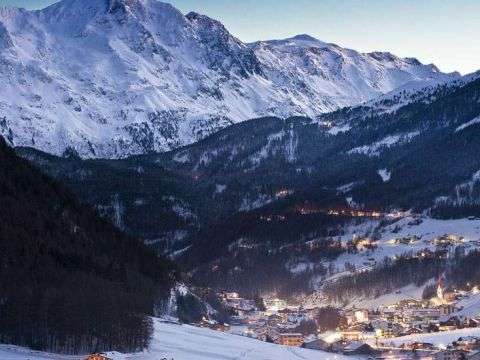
(112, 78)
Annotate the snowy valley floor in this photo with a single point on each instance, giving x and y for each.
(184, 342)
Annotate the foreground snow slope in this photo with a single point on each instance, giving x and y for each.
(118, 77)
(183, 342)
(10, 352)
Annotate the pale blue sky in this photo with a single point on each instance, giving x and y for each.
(445, 32)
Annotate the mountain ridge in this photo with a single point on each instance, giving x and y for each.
(118, 78)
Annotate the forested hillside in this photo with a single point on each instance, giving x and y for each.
(460, 269)
(232, 199)
(70, 281)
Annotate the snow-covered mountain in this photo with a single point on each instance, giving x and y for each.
(111, 78)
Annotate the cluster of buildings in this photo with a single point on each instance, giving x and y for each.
(282, 323)
(373, 331)
(441, 242)
(361, 331)
(308, 209)
(355, 213)
(364, 331)
(273, 320)
(98, 357)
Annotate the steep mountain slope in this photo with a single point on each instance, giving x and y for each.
(110, 78)
(380, 147)
(140, 197)
(335, 76)
(70, 281)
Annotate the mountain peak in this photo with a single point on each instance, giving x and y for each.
(122, 5)
(306, 40)
(78, 17)
(224, 52)
(206, 22)
(304, 37)
(301, 40)
(384, 56)
(94, 6)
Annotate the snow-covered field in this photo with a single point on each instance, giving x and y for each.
(440, 339)
(184, 342)
(10, 352)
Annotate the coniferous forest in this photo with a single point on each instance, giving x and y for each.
(461, 269)
(69, 281)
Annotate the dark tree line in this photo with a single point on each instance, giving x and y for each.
(464, 269)
(329, 318)
(69, 281)
(388, 277)
(460, 270)
(455, 211)
(255, 252)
